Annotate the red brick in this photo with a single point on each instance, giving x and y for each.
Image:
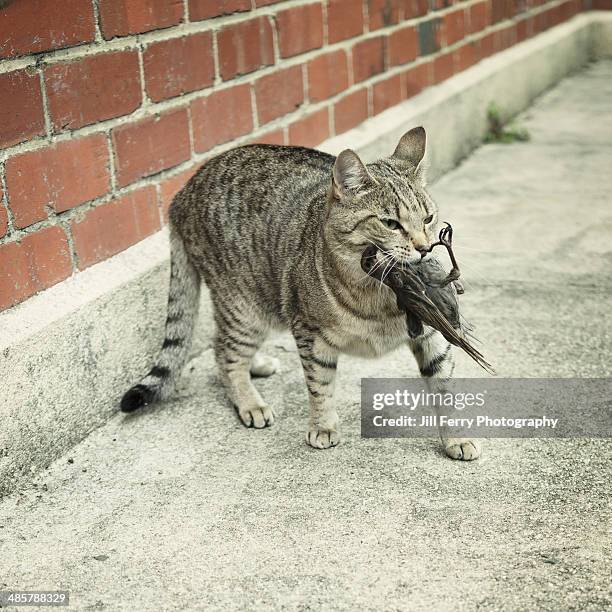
(413, 8)
(245, 47)
(487, 45)
(179, 65)
(3, 221)
(415, 80)
(21, 110)
(32, 26)
(479, 16)
(403, 46)
(276, 137)
(300, 29)
(555, 15)
(39, 261)
(505, 38)
(502, 9)
(443, 67)
(541, 22)
(368, 58)
(429, 36)
(311, 130)
(465, 56)
(568, 9)
(350, 111)
(122, 17)
(453, 27)
(522, 30)
(602, 5)
(61, 176)
(386, 93)
(383, 13)
(151, 145)
(279, 93)
(327, 76)
(169, 187)
(221, 117)
(79, 92)
(205, 9)
(111, 228)
(344, 19)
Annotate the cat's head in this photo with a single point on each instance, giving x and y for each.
(384, 203)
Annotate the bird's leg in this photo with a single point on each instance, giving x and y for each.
(445, 239)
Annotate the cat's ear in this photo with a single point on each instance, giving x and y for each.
(350, 175)
(411, 147)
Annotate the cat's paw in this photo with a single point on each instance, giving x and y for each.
(463, 449)
(257, 417)
(322, 438)
(263, 365)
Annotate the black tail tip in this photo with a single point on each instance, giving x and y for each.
(136, 398)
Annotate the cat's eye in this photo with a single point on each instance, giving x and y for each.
(428, 220)
(392, 224)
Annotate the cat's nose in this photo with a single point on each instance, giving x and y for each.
(423, 250)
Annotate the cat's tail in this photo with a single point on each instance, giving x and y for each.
(183, 302)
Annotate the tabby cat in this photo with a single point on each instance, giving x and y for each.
(277, 234)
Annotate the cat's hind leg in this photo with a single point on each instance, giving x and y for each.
(263, 365)
(436, 363)
(238, 338)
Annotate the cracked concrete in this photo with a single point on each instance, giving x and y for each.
(182, 508)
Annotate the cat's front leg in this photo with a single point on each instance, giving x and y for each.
(436, 363)
(319, 361)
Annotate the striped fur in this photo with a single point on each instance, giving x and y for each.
(277, 235)
(183, 302)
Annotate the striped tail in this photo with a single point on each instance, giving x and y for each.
(183, 302)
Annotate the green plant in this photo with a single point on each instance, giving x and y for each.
(498, 132)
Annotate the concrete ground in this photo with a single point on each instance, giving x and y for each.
(182, 508)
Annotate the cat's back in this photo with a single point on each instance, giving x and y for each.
(253, 181)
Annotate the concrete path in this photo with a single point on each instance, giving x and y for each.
(182, 508)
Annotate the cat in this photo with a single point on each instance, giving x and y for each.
(277, 234)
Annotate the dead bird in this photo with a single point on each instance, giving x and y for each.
(428, 295)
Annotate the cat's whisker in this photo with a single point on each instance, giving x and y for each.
(386, 271)
(386, 257)
(383, 261)
(379, 263)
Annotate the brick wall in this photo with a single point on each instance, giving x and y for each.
(108, 106)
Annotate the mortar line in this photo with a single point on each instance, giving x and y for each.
(216, 62)
(306, 84)
(365, 14)
(275, 41)
(190, 132)
(254, 112)
(96, 11)
(10, 220)
(325, 23)
(111, 162)
(71, 246)
(45, 104)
